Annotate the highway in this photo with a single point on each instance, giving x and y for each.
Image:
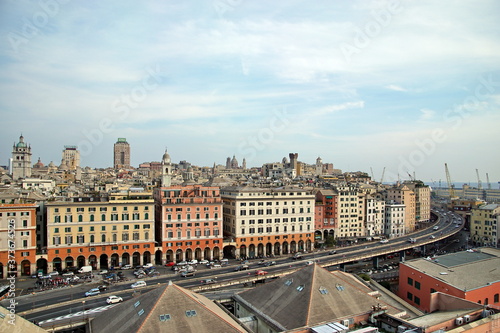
(71, 302)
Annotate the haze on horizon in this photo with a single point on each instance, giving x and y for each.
(406, 85)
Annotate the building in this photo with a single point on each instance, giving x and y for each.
(260, 222)
(484, 224)
(402, 194)
(17, 239)
(310, 297)
(374, 215)
(325, 214)
(470, 275)
(188, 222)
(395, 217)
(21, 160)
(121, 154)
(166, 170)
(169, 308)
(70, 157)
(422, 200)
(348, 223)
(113, 232)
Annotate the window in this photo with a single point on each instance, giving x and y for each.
(80, 218)
(496, 298)
(56, 230)
(410, 281)
(103, 238)
(125, 236)
(409, 296)
(92, 238)
(417, 300)
(103, 217)
(417, 285)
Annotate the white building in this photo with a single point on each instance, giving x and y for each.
(375, 215)
(394, 220)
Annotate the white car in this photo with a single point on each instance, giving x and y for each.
(309, 262)
(203, 262)
(384, 241)
(138, 284)
(114, 299)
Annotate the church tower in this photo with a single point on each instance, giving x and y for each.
(166, 170)
(21, 160)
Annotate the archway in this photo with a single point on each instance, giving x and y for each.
(178, 255)
(42, 265)
(269, 249)
(243, 251)
(325, 234)
(146, 257)
(125, 259)
(69, 262)
(103, 261)
(293, 247)
(170, 256)
(189, 254)
(207, 254)
(251, 251)
(301, 245)
(1, 270)
(115, 260)
(57, 264)
(217, 253)
(260, 250)
(229, 251)
(308, 245)
(286, 250)
(136, 259)
(158, 255)
(197, 254)
(80, 261)
(277, 249)
(25, 267)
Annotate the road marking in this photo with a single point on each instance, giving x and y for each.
(79, 313)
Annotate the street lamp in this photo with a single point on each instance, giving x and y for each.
(83, 310)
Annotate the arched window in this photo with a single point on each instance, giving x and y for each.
(114, 237)
(188, 233)
(92, 238)
(80, 218)
(92, 218)
(103, 217)
(103, 238)
(179, 234)
(146, 216)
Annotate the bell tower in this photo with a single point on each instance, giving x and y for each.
(21, 160)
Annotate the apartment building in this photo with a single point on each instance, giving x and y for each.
(484, 224)
(422, 200)
(402, 194)
(17, 239)
(374, 215)
(260, 222)
(348, 223)
(188, 222)
(325, 214)
(113, 232)
(395, 217)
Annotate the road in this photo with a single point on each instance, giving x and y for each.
(68, 301)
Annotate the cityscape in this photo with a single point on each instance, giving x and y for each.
(241, 166)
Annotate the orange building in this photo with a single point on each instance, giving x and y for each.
(17, 239)
(325, 212)
(101, 234)
(470, 275)
(188, 222)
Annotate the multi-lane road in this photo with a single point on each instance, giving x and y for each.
(71, 302)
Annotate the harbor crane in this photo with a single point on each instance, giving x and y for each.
(451, 187)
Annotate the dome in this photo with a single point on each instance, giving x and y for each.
(21, 143)
(166, 157)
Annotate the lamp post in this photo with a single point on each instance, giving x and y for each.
(83, 310)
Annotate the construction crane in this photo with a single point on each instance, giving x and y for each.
(451, 188)
(382, 178)
(488, 181)
(479, 184)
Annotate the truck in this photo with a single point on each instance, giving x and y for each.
(85, 269)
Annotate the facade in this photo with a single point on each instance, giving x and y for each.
(262, 222)
(402, 194)
(121, 154)
(374, 215)
(17, 239)
(70, 157)
(395, 217)
(422, 200)
(348, 223)
(101, 234)
(467, 275)
(21, 160)
(325, 214)
(188, 222)
(484, 224)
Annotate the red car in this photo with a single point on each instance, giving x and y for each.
(260, 272)
(168, 264)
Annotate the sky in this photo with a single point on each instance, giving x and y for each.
(366, 85)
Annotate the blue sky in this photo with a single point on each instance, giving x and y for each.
(406, 85)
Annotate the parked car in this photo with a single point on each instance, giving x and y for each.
(186, 274)
(182, 263)
(207, 281)
(92, 292)
(171, 263)
(54, 273)
(260, 272)
(127, 267)
(114, 299)
(193, 262)
(67, 274)
(148, 265)
(103, 271)
(138, 284)
(203, 262)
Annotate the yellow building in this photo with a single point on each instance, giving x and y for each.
(402, 194)
(102, 234)
(484, 225)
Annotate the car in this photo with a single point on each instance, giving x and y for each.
(270, 263)
(169, 264)
(432, 237)
(126, 267)
(193, 262)
(207, 281)
(203, 262)
(92, 292)
(309, 262)
(384, 241)
(114, 299)
(68, 274)
(102, 288)
(182, 263)
(261, 262)
(435, 228)
(332, 252)
(103, 271)
(241, 268)
(147, 265)
(138, 284)
(260, 272)
(297, 256)
(54, 273)
(186, 274)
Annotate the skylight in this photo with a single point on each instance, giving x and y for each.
(339, 287)
(323, 290)
(164, 317)
(300, 288)
(191, 313)
(288, 282)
